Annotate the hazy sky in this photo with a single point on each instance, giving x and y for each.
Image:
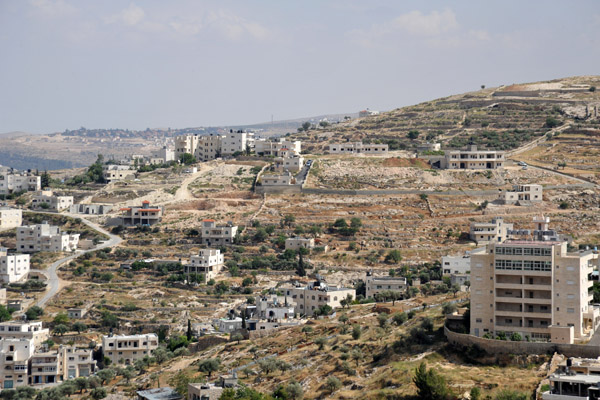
(108, 64)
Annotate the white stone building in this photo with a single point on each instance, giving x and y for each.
(90, 209)
(473, 158)
(234, 142)
(126, 349)
(13, 267)
(486, 232)
(274, 308)
(202, 147)
(141, 215)
(208, 262)
(14, 362)
(10, 217)
(357, 148)
(315, 295)
(289, 162)
(218, 235)
(263, 147)
(14, 181)
(53, 202)
(30, 330)
(296, 243)
(522, 194)
(113, 173)
(456, 264)
(163, 155)
(44, 237)
(284, 179)
(62, 364)
(379, 284)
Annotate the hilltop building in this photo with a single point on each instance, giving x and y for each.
(522, 194)
(140, 216)
(46, 199)
(486, 232)
(473, 158)
(367, 113)
(113, 172)
(236, 142)
(218, 235)
(379, 284)
(15, 181)
(44, 237)
(315, 295)
(208, 262)
(10, 217)
(356, 148)
(533, 286)
(289, 161)
(126, 349)
(296, 243)
(263, 147)
(13, 267)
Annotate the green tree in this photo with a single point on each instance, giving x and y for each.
(343, 319)
(61, 318)
(79, 327)
(187, 159)
(448, 308)
(61, 329)
(430, 385)
(356, 332)
(357, 355)
(98, 393)
(189, 331)
(393, 257)
(321, 342)
(5, 313)
(509, 394)
(552, 122)
(475, 393)
(332, 384)
(288, 220)
(413, 134)
(106, 375)
(209, 366)
(300, 270)
(399, 318)
(180, 382)
(81, 384)
(237, 337)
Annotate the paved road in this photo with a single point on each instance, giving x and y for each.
(53, 279)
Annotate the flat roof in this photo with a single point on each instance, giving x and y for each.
(577, 378)
(547, 243)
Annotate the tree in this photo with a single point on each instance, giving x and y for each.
(340, 223)
(5, 313)
(592, 88)
(332, 384)
(357, 355)
(268, 365)
(238, 337)
(61, 318)
(79, 327)
(356, 223)
(161, 354)
(343, 318)
(300, 270)
(413, 134)
(509, 394)
(45, 180)
(306, 126)
(106, 375)
(189, 331)
(34, 313)
(356, 332)
(209, 366)
(448, 308)
(430, 385)
(516, 337)
(129, 372)
(475, 393)
(382, 319)
(288, 220)
(393, 257)
(400, 318)
(321, 342)
(552, 122)
(180, 382)
(294, 391)
(61, 329)
(98, 393)
(81, 384)
(427, 324)
(187, 159)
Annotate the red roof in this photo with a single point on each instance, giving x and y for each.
(125, 209)
(145, 202)
(149, 209)
(208, 220)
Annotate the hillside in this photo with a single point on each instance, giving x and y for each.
(502, 118)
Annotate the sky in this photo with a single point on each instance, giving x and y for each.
(182, 63)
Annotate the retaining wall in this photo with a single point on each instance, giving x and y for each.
(493, 346)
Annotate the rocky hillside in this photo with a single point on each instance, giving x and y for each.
(502, 118)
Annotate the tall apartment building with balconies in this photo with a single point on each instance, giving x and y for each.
(535, 287)
(126, 349)
(44, 237)
(208, 262)
(14, 362)
(13, 267)
(202, 147)
(234, 142)
(217, 235)
(473, 158)
(487, 232)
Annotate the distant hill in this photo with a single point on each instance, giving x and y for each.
(499, 118)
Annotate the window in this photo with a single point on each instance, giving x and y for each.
(570, 310)
(478, 320)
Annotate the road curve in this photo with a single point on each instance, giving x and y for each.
(53, 279)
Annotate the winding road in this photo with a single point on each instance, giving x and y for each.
(54, 282)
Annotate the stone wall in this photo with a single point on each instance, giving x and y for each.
(493, 346)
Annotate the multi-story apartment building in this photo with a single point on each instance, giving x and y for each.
(534, 287)
(274, 307)
(289, 162)
(234, 142)
(379, 284)
(164, 155)
(356, 148)
(14, 181)
(296, 243)
(14, 362)
(144, 215)
(263, 147)
(45, 199)
(126, 349)
(113, 173)
(473, 158)
(202, 147)
(316, 294)
(13, 267)
(10, 217)
(64, 363)
(90, 209)
(208, 262)
(456, 264)
(44, 237)
(217, 235)
(30, 330)
(486, 232)
(522, 194)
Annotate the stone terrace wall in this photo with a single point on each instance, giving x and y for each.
(493, 346)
